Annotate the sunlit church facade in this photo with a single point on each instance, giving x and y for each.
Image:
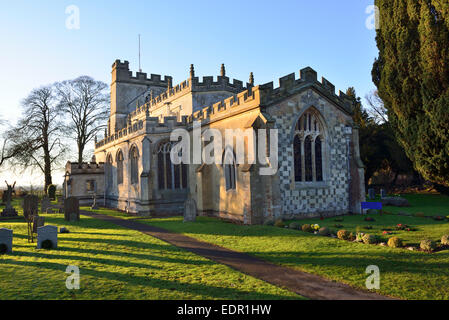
(319, 171)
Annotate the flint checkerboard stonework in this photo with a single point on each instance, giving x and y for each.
(47, 233)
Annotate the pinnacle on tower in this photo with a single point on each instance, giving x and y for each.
(223, 70)
(192, 71)
(169, 84)
(251, 79)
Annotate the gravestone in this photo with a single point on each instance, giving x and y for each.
(71, 209)
(47, 233)
(6, 239)
(383, 193)
(37, 223)
(190, 210)
(371, 194)
(9, 210)
(30, 206)
(45, 204)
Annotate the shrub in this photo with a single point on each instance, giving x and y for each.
(47, 244)
(269, 223)
(279, 223)
(369, 239)
(3, 248)
(306, 228)
(294, 225)
(344, 235)
(394, 242)
(51, 191)
(420, 214)
(427, 245)
(324, 231)
(445, 240)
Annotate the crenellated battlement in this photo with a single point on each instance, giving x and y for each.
(145, 125)
(121, 73)
(85, 167)
(308, 78)
(242, 100)
(190, 85)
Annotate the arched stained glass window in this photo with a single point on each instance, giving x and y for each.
(120, 168)
(308, 146)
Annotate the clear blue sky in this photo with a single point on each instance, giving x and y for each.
(269, 38)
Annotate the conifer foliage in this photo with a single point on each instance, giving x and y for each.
(412, 77)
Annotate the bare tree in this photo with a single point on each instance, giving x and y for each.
(35, 140)
(376, 108)
(85, 101)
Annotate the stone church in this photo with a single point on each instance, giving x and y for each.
(319, 171)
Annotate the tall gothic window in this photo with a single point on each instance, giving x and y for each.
(170, 176)
(229, 170)
(298, 158)
(134, 154)
(109, 172)
(308, 148)
(120, 168)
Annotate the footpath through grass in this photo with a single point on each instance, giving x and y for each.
(404, 274)
(117, 263)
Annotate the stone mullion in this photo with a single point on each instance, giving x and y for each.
(303, 160)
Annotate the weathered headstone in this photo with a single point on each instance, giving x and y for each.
(45, 204)
(9, 210)
(71, 209)
(47, 233)
(6, 239)
(64, 230)
(383, 193)
(30, 206)
(38, 222)
(190, 210)
(371, 194)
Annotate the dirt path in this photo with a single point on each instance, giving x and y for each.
(302, 283)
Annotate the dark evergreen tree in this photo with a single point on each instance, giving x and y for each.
(412, 77)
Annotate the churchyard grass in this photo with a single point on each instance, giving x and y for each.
(117, 263)
(404, 274)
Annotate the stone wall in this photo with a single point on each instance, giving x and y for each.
(305, 199)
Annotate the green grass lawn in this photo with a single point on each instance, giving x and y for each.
(404, 274)
(117, 263)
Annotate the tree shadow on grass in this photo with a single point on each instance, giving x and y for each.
(189, 288)
(387, 262)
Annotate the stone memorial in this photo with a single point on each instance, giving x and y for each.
(395, 202)
(71, 209)
(9, 210)
(190, 210)
(6, 240)
(371, 194)
(30, 206)
(45, 204)
(47, 233)
(37, 223)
